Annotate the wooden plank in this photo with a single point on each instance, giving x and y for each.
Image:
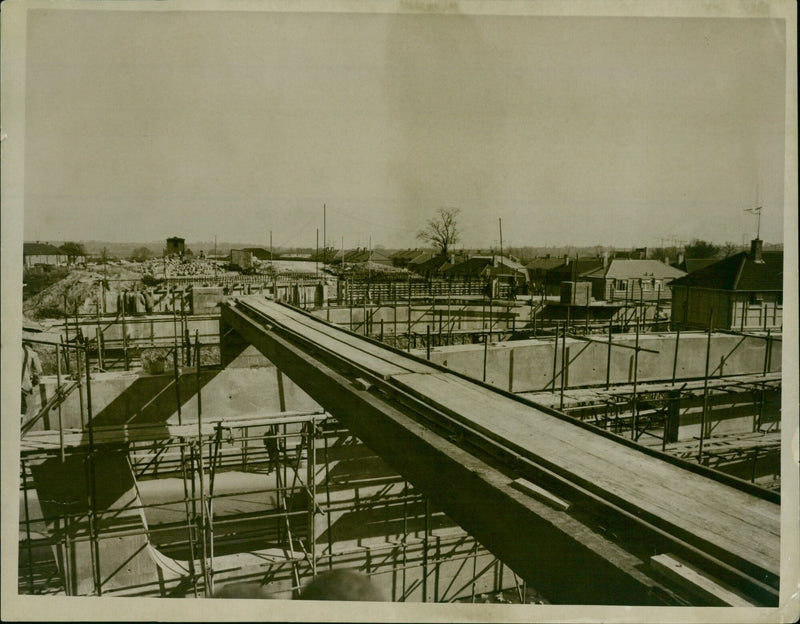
(721, 515)
(696, 582)
(666, 476)
(344, 349)
(345, 337)
(355, 350)
(541, 494)
(732, 520)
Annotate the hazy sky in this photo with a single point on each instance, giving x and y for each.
(141, 125)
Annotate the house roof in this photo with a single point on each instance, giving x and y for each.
(408, 254)
(431, 264)
(619, 268)
(354, 256)
(470, 266)
(578, 265)
(41, 249)
(739, 272)
(545, 263)
(423, 257)
(478, 265)
(690, 265)
(258, 252)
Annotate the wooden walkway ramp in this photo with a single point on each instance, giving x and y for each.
(732, 527)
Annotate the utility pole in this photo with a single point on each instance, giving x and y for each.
(316, 258)
(324, 231)
(501, 238)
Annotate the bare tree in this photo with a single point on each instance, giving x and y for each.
(442, 230)
(730, 248)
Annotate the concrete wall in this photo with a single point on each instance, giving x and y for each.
(462, 317)
(136, 397)
(527, 365)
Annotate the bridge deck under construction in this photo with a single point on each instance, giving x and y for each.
(735, 527)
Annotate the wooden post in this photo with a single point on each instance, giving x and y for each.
(564, 358)
(635, 414)
(705, 386)
(409, 312)
(675, 358)
(608, 356)
(485, 354)
(428, 342)
(177, 382)
(511, 370)
(555, 359)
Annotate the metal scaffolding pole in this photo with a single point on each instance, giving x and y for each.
(311, 482)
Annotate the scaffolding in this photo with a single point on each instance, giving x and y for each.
(282, 540)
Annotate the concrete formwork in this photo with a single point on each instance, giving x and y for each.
(363, 517)
(527, 365)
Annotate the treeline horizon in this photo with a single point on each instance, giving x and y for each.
(154, 249)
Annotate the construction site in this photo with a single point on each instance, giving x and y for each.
(454, 440)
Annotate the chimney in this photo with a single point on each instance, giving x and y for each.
(755, 250)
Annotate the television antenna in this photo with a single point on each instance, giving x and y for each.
(757, 211)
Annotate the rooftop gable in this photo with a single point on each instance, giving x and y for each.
(739, 272)
(41, 249)
(620, 268)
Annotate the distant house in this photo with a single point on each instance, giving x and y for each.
(42, 254)
(538, 268)
(417, 260)
(363, 256)
(258, 252)
(548, 273)
(487, 266)
(745, 291)
(569, 271)
(242, 258)
(433, 266)
(404, 257)
(470, 268)
(175, 246)
(624, 279)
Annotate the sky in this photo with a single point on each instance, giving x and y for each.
(574, 130)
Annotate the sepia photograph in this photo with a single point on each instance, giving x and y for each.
(465, 310)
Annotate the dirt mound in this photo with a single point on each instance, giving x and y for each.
(82, 289)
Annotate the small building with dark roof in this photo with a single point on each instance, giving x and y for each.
(175, 246)
(432, 266)
(405, 257)
(745, 292)
(43, 254)
(242, 258)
